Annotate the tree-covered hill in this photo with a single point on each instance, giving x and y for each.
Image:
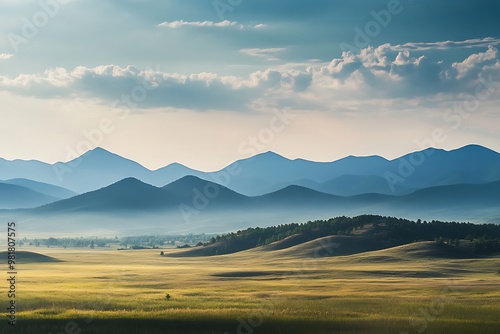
(390, 230)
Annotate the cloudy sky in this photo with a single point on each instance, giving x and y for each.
(206, 82)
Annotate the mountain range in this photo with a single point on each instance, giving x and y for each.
(462, 184)
(190, 192)
(23, 193)
(268, 172)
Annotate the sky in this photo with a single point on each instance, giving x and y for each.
(205, 83)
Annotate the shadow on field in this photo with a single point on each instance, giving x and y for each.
(241, 326)
(30, 257)
(155, 326)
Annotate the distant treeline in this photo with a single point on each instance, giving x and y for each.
(397, 231)
(161, 240)
(69, 242)
(139, 242)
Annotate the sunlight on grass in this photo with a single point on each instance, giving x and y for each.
(344, 294)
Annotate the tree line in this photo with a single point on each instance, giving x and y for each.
(397, 231)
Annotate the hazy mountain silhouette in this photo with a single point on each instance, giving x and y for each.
(297, 196)
(91, 171)
(456, 196)
(191, 188)
(97, 168)
(15, 197)
(27, 169)
(269, 172)
(193, 205)
(133, 195)
(351, 185)
(43, 188)
(431, 167)
(127, 194)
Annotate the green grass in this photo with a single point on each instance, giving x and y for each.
(388, 291)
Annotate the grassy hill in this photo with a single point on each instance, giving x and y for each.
(337, 245)
(30, 257)
(352, 235)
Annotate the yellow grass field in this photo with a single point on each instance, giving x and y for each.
(388, 291)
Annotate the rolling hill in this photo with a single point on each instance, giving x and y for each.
(343, 236)
(337, 245)
(30, 257)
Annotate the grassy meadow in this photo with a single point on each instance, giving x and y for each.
(397, 290)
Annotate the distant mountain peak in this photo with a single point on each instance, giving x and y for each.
(466, 151)
(100, 155)
(190, 178)
(130, 182)
(270, 154)
(299, 190)
(190, 181)
(175, 165)
(99, 151)
(351, 158)
(475, 147)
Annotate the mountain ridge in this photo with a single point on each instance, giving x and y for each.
(13, 196)
(268, 172)
(133, 194)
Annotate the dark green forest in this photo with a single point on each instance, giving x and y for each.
(394, 231)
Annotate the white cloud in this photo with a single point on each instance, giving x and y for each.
(5, 56)
(374, 73)
(222, 24)
(182, 23)
(474, 61)
(410, 73)
(269, 54)
(445, 45)
(109, 83)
